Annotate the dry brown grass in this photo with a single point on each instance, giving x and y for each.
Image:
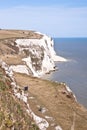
(60, 107)
(12, 60)
(5, 34)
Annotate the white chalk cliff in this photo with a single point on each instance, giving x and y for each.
(40, 56)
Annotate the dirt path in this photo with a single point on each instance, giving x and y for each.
(74, 119)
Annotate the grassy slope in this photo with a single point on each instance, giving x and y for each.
(60, 106)
(12, 111)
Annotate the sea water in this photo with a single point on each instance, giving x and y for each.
(73, 72)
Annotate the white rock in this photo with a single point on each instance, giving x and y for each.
(49, 118)
(13, 84)
(42, 123)
(24, 98)
(18, 95)
(41, 49)
(58, 128)
(20, 68)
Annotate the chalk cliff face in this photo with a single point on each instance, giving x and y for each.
(34, 50)
(39, 56)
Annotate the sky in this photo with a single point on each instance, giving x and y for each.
(57, 18)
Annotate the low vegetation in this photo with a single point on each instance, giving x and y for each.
(13, 115)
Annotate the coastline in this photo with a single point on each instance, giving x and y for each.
(72, 72)
(50, 104)
(59, 59)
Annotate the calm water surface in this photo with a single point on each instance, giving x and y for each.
(73, 72)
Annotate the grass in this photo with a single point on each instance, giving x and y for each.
(51, 95)
(6, 34)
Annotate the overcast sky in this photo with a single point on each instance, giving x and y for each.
(57, 18)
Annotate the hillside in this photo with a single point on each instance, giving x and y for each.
(45, 104)
(13, 115)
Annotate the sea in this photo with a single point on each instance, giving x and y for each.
(74, 71)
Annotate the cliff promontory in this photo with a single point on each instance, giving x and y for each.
(28, 102)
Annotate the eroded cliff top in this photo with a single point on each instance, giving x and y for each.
(5, 34)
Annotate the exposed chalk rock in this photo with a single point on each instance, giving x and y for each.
(39, 54)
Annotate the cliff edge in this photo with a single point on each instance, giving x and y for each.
(36, 54)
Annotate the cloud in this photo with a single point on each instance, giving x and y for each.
(55, 21)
